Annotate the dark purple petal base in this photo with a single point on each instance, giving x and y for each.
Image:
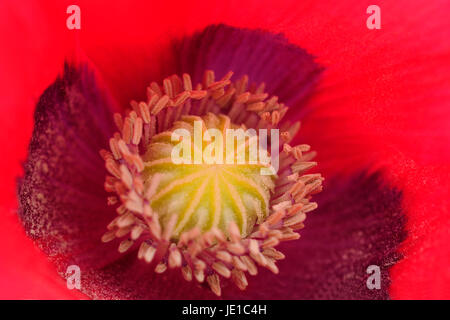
(288, 71)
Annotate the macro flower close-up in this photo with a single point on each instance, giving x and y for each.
(276, 150)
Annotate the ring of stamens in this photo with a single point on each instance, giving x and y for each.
(205, 254)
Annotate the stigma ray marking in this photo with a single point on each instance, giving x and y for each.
(238, 204)
(192, 205)
(250, 184)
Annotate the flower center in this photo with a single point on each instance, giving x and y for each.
(207, 184)
(194, 183)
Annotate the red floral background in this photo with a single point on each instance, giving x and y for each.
(388, 88)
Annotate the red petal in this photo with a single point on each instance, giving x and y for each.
(31, 63)
(424, 272)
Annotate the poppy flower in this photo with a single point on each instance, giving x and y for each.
(373, 104)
